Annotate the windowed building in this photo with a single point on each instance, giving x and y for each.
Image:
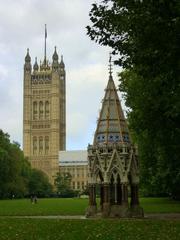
(75, 163)
(44, 113)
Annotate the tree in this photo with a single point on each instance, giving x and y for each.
(146, 36)
(39, 184)
(63, 184)
(12, 162)
(16, 176)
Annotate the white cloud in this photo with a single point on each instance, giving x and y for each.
(22, 26)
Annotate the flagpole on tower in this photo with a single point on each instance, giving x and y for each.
(45, 44)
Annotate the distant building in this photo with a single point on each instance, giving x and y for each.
(75, 163)
(44, 113)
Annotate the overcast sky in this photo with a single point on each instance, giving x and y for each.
(21, 27)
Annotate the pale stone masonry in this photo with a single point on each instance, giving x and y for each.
(44, 113)
(75, 162)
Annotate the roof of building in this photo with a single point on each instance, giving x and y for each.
(73, 158)
(111, 126)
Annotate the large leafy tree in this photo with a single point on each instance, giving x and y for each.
(145, 34)
(17, 178)
(63, 184)
(14, 169)
(39, 184)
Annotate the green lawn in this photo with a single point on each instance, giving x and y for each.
(54, 206)
(76, 206)
(160, 205)
(87, 229)
(47, 229)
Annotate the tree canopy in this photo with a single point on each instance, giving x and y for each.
(145, 35)
(17, 178)
(39, 184)
(63, 185)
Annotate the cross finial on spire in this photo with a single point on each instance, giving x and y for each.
(110, 65)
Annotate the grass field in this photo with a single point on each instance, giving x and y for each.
(46, 229)
(76, 206)
(87, 229)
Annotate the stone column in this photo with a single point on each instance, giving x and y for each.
(136, 210)
(106, 193)
(134, 195)
(92, 209)
(124, 189)
(92, 195)
(101, 196)
(106, 200)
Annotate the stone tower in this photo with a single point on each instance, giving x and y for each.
(113, 162)
(44, 115)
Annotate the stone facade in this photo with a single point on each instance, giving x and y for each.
(44, 113)
(75, 163)
(113, 162)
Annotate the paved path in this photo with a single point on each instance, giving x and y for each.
(164, 216)
(48, 217)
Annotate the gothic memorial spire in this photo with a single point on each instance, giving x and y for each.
(113, 161)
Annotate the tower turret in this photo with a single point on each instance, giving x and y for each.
(36, 66)
(27, 57)
(62, 65)
(27, 65)
(55, 57)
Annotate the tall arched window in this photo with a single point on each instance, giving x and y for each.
(35, 110)
(47, 109)
(34, 145)
(46, 145)
(40, 110)
(40, 145)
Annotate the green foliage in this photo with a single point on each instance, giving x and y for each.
(146, 36)
(17, 179)
(38, 184)
(12, 169)
(63, 185)
(57, 229)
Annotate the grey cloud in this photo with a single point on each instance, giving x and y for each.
(22, 26)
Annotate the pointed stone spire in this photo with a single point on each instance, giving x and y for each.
(27, 65)
(55, 55)
(112, 126)
(35, 67)
(62, 62)
(27, 57)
